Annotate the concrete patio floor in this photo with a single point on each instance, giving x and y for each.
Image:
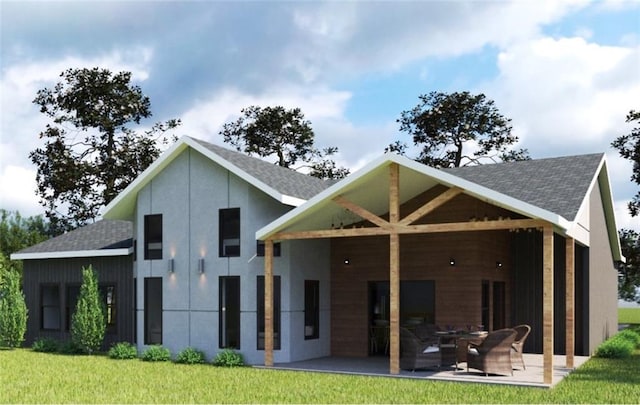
(379, 366)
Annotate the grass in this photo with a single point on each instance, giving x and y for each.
(629, 315)
(30, 377)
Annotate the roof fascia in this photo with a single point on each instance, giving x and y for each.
(442, 177)
(72, 254)
(609, 211)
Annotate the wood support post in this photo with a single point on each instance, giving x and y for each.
(570, 301)
(547, 304)
(394, 271)
(268, 303)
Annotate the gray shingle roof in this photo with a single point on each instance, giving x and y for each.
(286, 181)
(105, 234)
(558, 185)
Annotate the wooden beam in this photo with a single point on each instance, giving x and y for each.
(361, 212)
(394, 270)
(431, 205)
(547, 305)
(268, 303)
(570, 301)
(425, 228)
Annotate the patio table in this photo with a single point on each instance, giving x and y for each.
(454, 345)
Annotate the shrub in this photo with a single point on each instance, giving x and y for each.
(88, 322)
(156, 353)
(228, 358)
(630, 335)
(615, 348)
(45, 345)
(123, 351)
(70, 347)
(13, 310)
(190, 356)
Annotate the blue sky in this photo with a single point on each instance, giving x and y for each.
(566, 72)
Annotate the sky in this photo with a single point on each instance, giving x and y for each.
(566, 72)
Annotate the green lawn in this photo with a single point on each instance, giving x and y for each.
(629, 315)
(30, 377)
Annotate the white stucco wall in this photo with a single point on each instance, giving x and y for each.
(189, 193)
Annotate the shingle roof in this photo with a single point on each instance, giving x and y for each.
(286, 181)
(558, 185)
(105, 234)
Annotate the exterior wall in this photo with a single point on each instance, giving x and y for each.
(458, 289)
(189, 193)
(603, 278)
(115, 270)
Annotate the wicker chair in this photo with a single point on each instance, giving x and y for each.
(522, 331)
(493, 355)
(426, 332)
(412, 352)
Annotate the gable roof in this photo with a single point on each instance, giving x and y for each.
(545, 189)
(558, 185)
(284, 185)
(102, 238)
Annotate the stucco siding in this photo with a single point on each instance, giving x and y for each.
(603, 286)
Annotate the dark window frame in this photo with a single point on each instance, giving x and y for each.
(277, 249)
(229, 311)
(151, 238)
(260, 324)
(229, 230)
(311, 309)
(147, 287)
(43, 306)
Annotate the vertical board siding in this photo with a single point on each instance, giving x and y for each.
(116, 270)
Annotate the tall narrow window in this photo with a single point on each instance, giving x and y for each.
(311, 309)
(50, 307)
(484, 306)
(229, 320)
(153, 311)
(153, 237)
(108, 293)
(498, 305)
(229, 223)
(276, 312)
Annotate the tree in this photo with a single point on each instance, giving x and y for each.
(91, 152)
(458, 129)
(17, 233)
(629, 278)
(88, 322)
(13, 309)
(284, 133)
(629, 148)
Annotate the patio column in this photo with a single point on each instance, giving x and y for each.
(570, 301)
(547, 304)
(394, 271)
(268, 303)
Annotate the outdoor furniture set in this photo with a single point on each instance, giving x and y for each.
(491, 352)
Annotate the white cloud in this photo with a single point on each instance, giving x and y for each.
(17, 190)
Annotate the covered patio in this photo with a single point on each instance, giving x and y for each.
(383, 219)
(379, 366)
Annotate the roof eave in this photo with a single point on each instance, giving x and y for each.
(72, 254)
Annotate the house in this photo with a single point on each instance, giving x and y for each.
(527, 242)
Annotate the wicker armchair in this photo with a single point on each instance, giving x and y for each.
(522, 331)
(493, 355)
(426, 332)
(412, 352)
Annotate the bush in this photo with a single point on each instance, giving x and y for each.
(13, 310)
(45, 345)
(190, 356)
(70, 347)
(615, 348)
(156, 353)
(228, 358)
(88, 322)
(630, 335)
(123, 351)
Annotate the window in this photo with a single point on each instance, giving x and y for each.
(276, 312)
(153, 237)
(260, 248)
(229, 222)
(153, 311)
(50, 307)
(71, 302)
(229, 319)
(311, 309)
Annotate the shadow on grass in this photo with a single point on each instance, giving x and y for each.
(618, 371)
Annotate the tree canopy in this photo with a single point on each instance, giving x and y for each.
(91, 152)
(629, 148)
(629, 279)
(285, 134)
(456, 129)
(17, 232)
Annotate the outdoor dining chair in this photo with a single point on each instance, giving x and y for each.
(493, 355)
(522, 331)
